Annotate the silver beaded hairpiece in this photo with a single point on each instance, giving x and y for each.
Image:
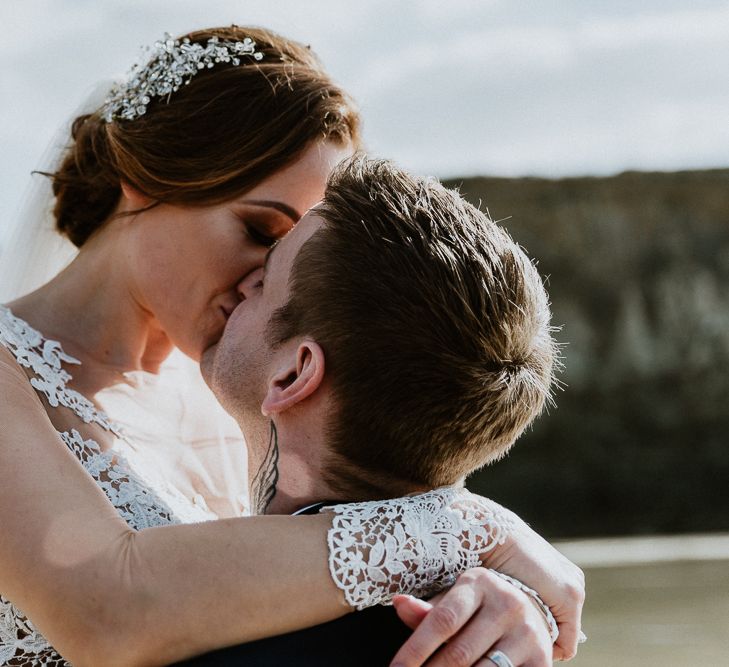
(172, 65)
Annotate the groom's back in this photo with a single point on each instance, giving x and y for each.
(368, 638)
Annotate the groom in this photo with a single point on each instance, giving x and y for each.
(395, 341)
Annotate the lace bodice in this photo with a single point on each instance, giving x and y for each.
(142, 498)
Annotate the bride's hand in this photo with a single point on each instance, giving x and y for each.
(479, 614)
(560, 583)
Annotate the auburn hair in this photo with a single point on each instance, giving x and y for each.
(230, 128)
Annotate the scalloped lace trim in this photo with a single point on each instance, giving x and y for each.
(44, 358)
(416, 545)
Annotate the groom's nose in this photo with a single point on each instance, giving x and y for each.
(250, 284)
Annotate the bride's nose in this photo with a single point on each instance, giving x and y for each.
(252, 282)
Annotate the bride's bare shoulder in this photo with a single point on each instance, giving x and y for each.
(16, 392)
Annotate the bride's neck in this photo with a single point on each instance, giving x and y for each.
(92, 309)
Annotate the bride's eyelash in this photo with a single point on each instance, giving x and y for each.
(259, 237)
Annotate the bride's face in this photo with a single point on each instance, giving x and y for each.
(187, 262)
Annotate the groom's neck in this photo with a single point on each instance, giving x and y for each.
(295, 456)
(301, 481)
(285, 466)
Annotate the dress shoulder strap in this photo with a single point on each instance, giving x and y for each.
(46, 359)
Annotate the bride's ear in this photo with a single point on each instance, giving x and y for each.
(135, 198)
(296, 379)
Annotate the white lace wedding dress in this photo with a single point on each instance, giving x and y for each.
(142, 498)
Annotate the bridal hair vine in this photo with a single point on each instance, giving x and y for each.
(172, 65)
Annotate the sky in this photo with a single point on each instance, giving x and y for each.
(458, 88)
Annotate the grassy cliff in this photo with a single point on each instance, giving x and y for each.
(637, 267)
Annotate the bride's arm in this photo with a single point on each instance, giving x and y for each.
(103, 593)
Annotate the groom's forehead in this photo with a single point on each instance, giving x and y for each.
(309, 223)
(294, 240)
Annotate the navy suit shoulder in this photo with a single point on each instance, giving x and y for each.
(368, 638)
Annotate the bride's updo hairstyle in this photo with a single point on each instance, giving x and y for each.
(214, 139)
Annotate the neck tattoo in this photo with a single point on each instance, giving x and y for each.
(266, 479)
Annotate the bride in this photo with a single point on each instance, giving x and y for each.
(123, 486)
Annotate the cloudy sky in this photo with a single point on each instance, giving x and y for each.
(448, 88)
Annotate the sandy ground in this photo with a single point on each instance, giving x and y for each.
(655, 613)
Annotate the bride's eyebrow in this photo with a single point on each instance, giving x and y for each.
(279, 206)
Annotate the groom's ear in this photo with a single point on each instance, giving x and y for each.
(297, 378)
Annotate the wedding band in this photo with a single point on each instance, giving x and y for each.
(499, 658)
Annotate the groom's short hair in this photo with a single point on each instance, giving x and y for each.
(435, 327)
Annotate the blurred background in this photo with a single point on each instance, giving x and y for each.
(598, 133)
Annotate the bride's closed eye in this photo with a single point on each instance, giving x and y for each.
(260, 237)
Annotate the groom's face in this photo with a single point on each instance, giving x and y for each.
(239, 367)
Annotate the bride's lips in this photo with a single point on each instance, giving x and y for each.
(228, 307)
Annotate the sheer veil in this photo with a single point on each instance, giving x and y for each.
(172, 418)
(34, 252)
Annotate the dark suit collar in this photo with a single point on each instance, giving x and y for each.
(315, 507)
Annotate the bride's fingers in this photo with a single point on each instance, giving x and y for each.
(526, 644)
(442, 622)
(568, 614)
(507, 620)
(411, 610)
(565, 647)
(485, 662)
(480, 612)
(469, 645)
(519, 653)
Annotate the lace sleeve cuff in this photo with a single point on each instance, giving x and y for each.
(416, 545)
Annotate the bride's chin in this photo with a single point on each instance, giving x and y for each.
(207, 363)
(210, 338)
